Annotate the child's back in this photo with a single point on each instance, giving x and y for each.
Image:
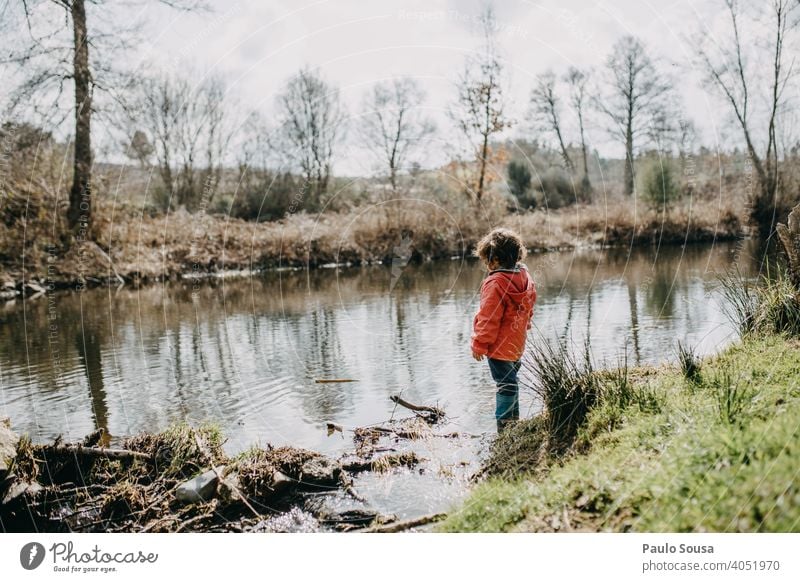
(501, 325)
(503, 320)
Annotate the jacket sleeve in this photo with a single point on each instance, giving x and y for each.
(487, 320)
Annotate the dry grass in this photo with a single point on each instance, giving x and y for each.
(146, 248)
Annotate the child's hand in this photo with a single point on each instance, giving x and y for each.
(477, 356)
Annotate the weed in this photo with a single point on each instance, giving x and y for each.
(689, 362)
(732, 397)
(567, 386)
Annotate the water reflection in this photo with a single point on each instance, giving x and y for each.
(245, 353)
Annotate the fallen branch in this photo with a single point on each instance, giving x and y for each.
(333, 380)
(433, 411)
(406, 524)
(117, 454)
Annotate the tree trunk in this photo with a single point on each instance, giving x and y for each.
(482, 161)
(564, 153)
(764, 207)
(629, 159)
(586, 185)
(80, 207)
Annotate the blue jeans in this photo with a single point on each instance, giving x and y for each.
(507, 400)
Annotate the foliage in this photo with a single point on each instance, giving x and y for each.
(659, 185)
(519, 182)
(557, 188)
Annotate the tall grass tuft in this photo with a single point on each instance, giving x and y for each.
(621, 392)
(689, 362)
(778, 307)
(732, 397)
(740, 303)
(567, 385)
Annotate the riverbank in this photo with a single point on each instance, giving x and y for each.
(133, 248)
(181, 479)
(711, 446)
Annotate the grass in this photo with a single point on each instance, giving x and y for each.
(720, 453)
(768, 305)
(565, 383)
(181, 450)
(689, 362)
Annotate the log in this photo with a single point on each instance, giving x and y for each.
(406, 524)
(437, 413)
(116, 454)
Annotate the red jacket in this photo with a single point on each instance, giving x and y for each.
(504, 317)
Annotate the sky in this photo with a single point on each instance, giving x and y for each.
(258, 45)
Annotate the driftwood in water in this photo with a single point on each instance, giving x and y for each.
(353, 519)
(333, 380)
(430, 413)
(406, 525)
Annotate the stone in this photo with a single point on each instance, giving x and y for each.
(201, 488)
(19, 488)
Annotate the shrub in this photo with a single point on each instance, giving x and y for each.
(659, 185)
(557, 188)
(264, 195)
(519, 182)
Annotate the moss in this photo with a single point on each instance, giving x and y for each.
(679, 466)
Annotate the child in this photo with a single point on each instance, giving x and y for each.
(504, 317)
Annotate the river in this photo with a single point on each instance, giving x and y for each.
(245, 352)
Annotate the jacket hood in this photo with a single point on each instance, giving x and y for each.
(516, 284)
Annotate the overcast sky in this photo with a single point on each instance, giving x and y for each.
(258, 44)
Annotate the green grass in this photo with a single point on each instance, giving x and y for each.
(658, 452)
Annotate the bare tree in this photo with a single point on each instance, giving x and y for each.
(730, 71)
(189, 131)
(635, 95)
(393, 125)
(578, 81)
(479, 111)
(56, 51)
(311, 125)
(546, 112)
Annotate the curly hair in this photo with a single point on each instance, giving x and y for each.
(503, 245)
